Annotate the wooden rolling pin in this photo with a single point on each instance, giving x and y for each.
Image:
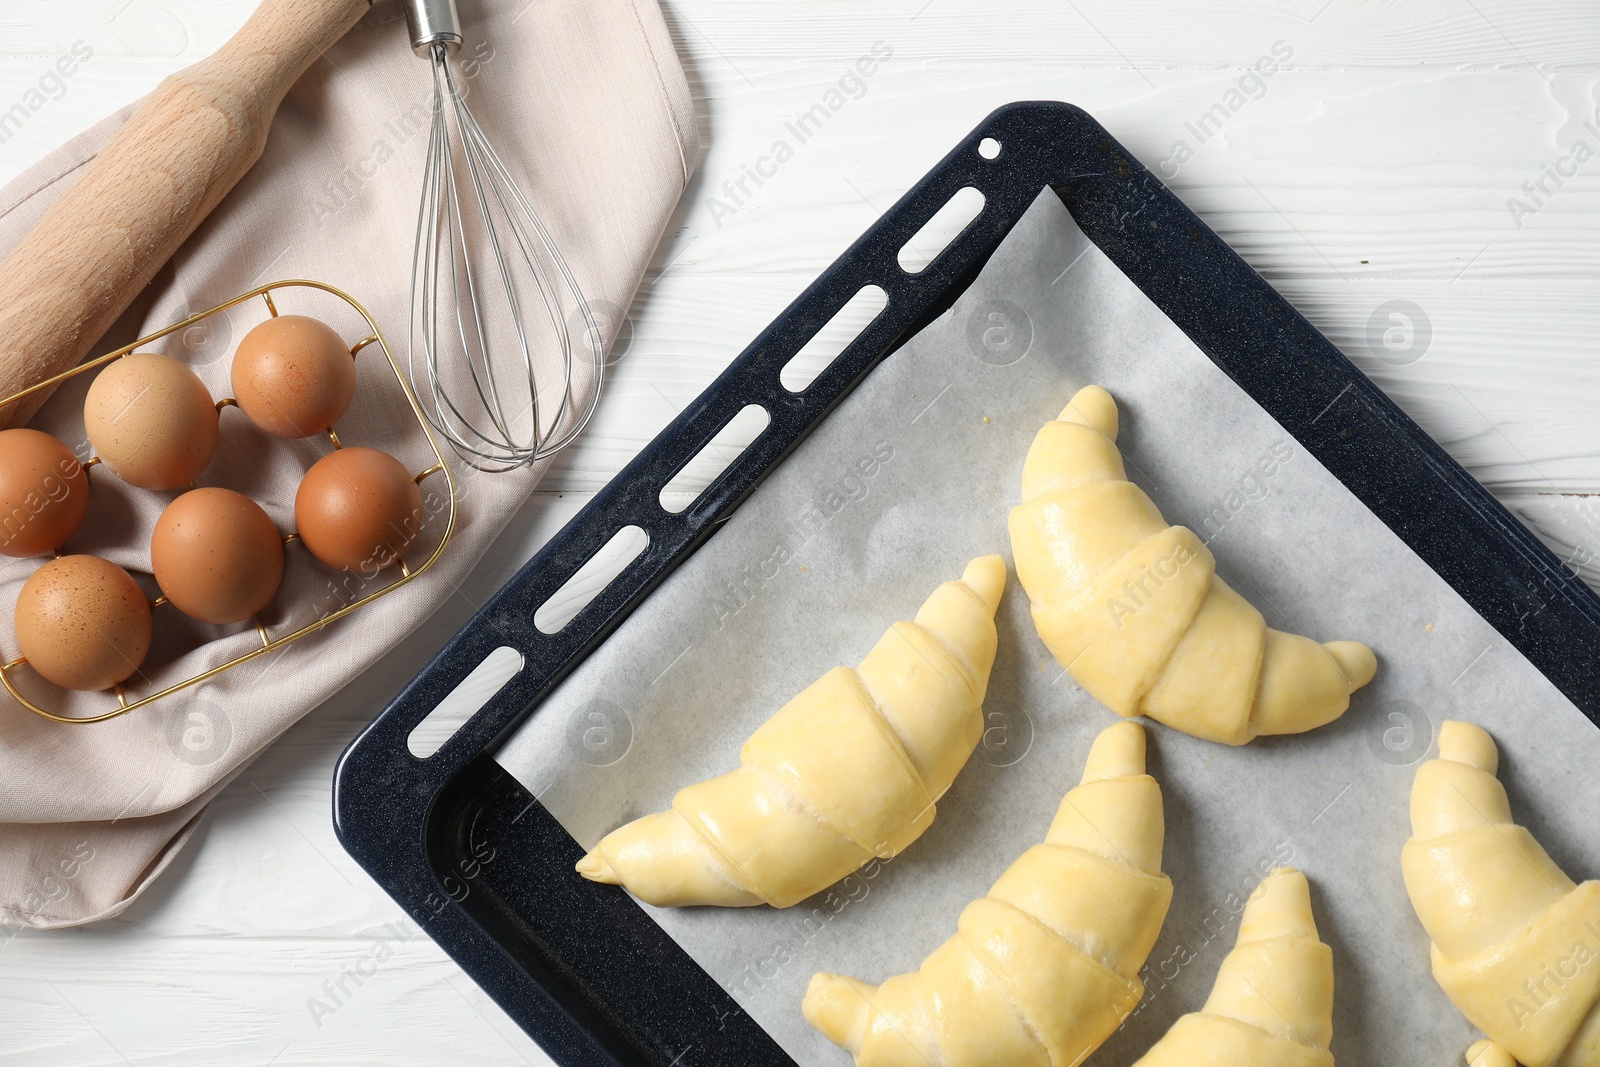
(147, 191)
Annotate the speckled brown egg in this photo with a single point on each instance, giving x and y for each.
(358, 509)
(151, 420)
(83, 622)
(216, 555)
(293, 376)
(44, 493)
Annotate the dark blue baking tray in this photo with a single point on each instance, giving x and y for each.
(485, 869)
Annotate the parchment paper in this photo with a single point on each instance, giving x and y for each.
(914, 475)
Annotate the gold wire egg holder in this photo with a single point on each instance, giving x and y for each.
(267, 643)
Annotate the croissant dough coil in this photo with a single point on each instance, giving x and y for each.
(1516, 944)
(1272, 1004)
(1133, 609)
(1489, 1054)
(848, 770)
(1046, 966)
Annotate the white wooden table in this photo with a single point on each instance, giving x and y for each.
(1425, 151)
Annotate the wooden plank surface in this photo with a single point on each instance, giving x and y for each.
(1379, 165)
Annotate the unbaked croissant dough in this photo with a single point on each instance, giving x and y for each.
(1489, 1054)
(847, 770)
(1044, 968)
(1272, 1004)
(1132, 608)
(1516, 945)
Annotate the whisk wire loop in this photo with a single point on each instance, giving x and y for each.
(480, 246)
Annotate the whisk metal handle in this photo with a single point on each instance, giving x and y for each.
(433, 22)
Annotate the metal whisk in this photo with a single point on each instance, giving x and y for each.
(477, 384)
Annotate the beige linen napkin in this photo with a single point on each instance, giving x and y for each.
(587, 104)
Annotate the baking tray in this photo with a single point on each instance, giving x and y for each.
(487, 871)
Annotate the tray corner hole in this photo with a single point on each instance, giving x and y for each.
(464, 701)
(948, 223)
(609, 560)
(714, 457)
(989, 148)
(837, 334)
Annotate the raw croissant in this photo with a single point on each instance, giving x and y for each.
(1516, 945)
(1132, 607)
(847, 770)
(1044, 968)
(1489, 1054)
(1272, 1004)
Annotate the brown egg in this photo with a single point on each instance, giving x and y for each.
(358, 509)
(293, 376)
(216, 555)
(44, 493)
(151, 420)
(83, 622)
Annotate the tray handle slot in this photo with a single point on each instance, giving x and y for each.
(587, 582)
(835, 335)
(941, 230)
(462, 703)
(714, 457)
